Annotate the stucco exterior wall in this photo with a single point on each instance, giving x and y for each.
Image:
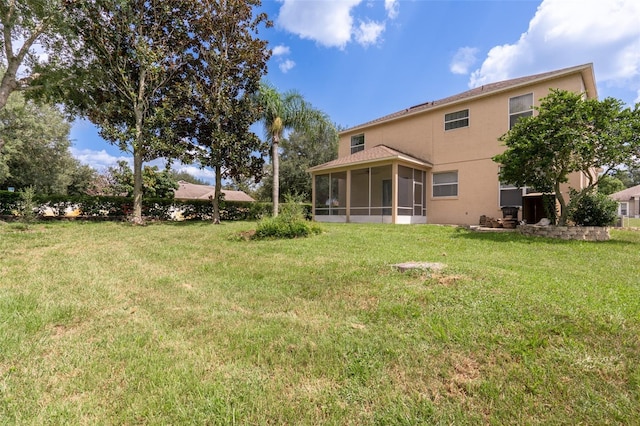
(467, 150)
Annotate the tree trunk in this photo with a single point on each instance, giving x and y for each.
(137, 169)
(562, 221)
(8, 85)
(216, 197)
(138, 156)
(136, 218)
(275, 160)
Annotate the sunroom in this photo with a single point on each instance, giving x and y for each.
(376, 185)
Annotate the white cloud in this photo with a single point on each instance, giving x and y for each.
(331, 23)
(99, 160)
(281, 50)
(286, 65)
(328, 23)
(203, 174)
(564, 33)
(463, 59)
(369, 32)
(392, 7)
(102, 160)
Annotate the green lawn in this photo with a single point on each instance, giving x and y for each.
(105, 323)
(631, 222)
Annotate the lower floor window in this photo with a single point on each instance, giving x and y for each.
(445, 184)
(623, 209)
(511, 196)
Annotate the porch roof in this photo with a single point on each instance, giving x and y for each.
(626, 194)
(372, 155)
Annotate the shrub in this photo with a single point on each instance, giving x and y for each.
(27, 205)
(283, 227)
(9, 202)
(290, 223)
(593, 210)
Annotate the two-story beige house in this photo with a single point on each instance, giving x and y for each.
(432, 163)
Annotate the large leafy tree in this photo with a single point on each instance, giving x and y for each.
(132, 60)
(628, 176)
(228, 63)
(570, 134)
(300, 151)
(280, 112)
(187, 177)
(609, 184)
(156, 183)
(30, 28)
(36, 151)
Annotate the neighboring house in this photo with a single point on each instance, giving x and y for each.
(191, 191)
(431, 163)
(628, 201)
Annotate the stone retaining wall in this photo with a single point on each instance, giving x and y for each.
(587, 233)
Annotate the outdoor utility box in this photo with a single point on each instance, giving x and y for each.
(510, 211)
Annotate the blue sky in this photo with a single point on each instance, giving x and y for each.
(358, 60)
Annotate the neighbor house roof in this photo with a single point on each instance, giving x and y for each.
(492, 88)
(191, 191)
(371, 155)
(626, 194)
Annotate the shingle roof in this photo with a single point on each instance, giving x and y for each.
(191, 191)
(626, 194)
(477, 92)
(377, 153)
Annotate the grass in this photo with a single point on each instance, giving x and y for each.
(105, 323)
(632, 222)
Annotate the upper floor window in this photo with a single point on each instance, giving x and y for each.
(445, 184)
(456, 119)
(520, 106)
(357, 143)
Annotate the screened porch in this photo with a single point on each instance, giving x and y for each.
(390, 192)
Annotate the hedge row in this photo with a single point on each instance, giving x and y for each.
(118, 208)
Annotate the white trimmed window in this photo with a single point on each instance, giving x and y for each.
(511, 196)
(520, 106)
(457, 119)
(623, 208)
(445, 184)
(357, 143)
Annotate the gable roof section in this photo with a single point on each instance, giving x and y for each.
(489, 89)
(372, 155)
(191, 191)
(626, 194)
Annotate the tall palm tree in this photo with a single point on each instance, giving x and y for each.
(280, 112)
